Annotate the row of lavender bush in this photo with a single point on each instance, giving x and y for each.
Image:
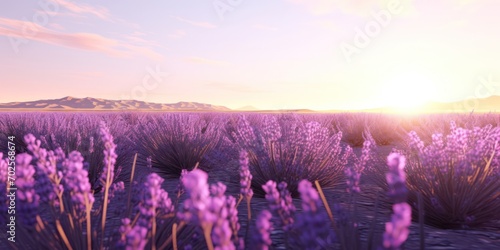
(455, 174)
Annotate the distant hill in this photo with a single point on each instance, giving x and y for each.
(489, 104)
(478, 105)
(247, 108)
(71, 103)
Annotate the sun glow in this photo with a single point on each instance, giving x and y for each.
(409, 91)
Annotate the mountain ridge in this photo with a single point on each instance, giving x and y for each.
(89, 103)
(69, 103)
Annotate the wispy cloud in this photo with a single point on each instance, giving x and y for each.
(234, 87)
(201, 60)
(140, 39)
(97, 11)
(322, 7)
(195, 23)
(264, 27)
(85, 41)
(79, 10)
(177, 34)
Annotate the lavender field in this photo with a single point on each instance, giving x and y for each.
(250, 181)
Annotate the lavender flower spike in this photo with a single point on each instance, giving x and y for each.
(27, 198)
(352, 180)
(3, 187)
(109, 154)
(76, 183)
(136, 238)
(396, 231)
(196, 206)
(396, 178)
(280, 203)
(309, 196)
(315, 232)
(262, 236)
(222, 230)
(245, 176)
(153, 198)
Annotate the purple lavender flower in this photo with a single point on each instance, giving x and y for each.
(149, 163)
(33, 145)
(54, 140)
(315, 233)
(245, 176)
(125, 227)
(59, 154)
(44, 187)
(76, 183)
(309, 196)
(353, 173)
(165, 203)
(27, 198)
(78, 140)
(109, 154)
(352, 180)
(314, 134)
(280, 206)
(136, 238)
(44, 169)
(272, 195)
(210, 212)
(232, 217)
(153, 197)
(222, 232)
(91, 145)
(3, 187)
(245, 133)
(196, 206)
(271, 128)
(396, 231)
(262, 236)
(218, 189)
(286, 205)
(415, 142)
(43, 139)
(396, 178)
(180, 187)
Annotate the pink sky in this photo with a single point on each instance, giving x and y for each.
(315, 54)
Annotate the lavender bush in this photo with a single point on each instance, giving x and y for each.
(457, 175)
(69, 132)
(176, 142)
(287, 150)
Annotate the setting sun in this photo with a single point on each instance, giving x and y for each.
(409, 90)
